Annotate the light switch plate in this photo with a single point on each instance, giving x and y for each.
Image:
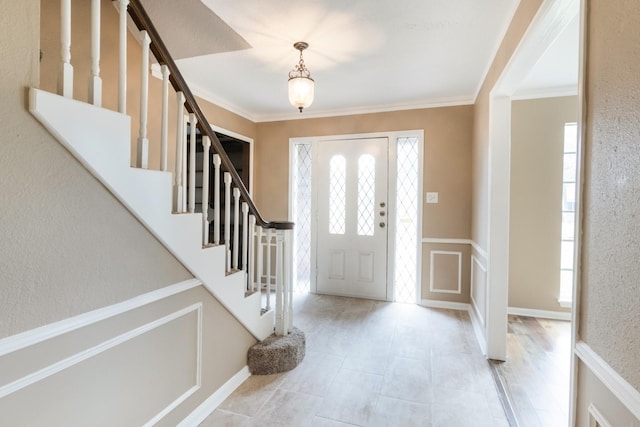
(432, 197)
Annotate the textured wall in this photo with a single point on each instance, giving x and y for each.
(610, 292)
(537, 140)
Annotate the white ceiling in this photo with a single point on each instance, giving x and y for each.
(364, 55)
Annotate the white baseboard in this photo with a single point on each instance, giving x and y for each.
(619, 387)
(52, 330)
(208, 406)
(449, 305)
(542, 314)
(478, 328)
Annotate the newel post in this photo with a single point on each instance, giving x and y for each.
(284, 291)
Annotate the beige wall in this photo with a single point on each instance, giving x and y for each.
(446, 159)
(522, 18)
(537, 139)
(447, 164)
(128, 381)
(480, 160)
(610, 294)
(80, 58)
(447, 277)
(66, 244)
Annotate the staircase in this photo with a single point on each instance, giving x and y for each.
(238, 263)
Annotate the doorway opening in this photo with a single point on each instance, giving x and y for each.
(547, 27)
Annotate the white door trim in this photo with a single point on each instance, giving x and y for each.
(392, 174)
(552, 17)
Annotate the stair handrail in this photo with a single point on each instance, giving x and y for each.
(143, 22)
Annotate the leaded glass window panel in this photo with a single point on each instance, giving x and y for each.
(366, 194)
(337, 195)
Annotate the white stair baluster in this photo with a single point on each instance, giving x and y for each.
(142, 160)
(179, 142)
(65, 78)
(251, 267)
(184, 169)
(227, 216)
(216, 199)
(236, 226)
(164, 131)
(206, 146)
(288, 276)
(122, 63)
(95, 82)
(280, 303)
(245, 236)
(192, 163)
(259, 263)
(268, 267)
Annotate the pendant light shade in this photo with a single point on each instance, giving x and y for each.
(301, 85)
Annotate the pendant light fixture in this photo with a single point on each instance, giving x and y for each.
(300, 82)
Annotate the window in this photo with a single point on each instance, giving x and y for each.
(302, 217)
(568, 213)
(407, 220)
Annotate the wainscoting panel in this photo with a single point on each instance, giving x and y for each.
(446, 266)
(446, 272)
(603, 394)
(141, 380)
(154, 363)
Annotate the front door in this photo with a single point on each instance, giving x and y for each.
(350, 182)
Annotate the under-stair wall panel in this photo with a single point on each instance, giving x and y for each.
(124, 359)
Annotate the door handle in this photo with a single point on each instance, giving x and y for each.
(382, 224)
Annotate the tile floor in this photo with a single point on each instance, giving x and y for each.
(371, 363)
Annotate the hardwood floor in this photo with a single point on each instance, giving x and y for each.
(372, 363)
(536, 375)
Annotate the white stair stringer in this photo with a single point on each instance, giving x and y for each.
(100, 140)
